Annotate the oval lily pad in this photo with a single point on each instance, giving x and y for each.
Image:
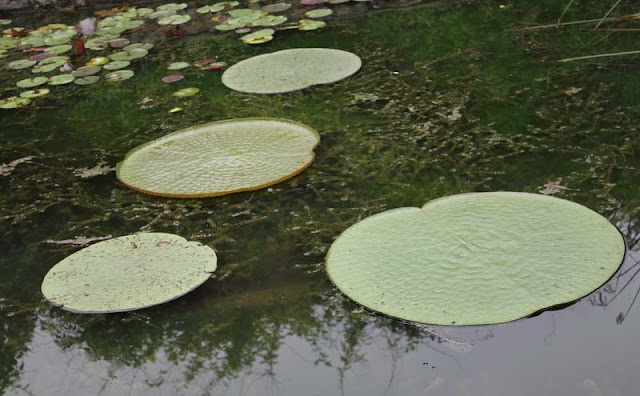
(210, 8)
(220, 158)
(85, 71)
(319, 13)
(129, 55)
(259, 40)
(119, 75)
(276, 8)
(178, 65)
(115, 65)
(258, 34)
(479, 258)
(32, 82)
(61, 79)
(308, 24)
(186, 92)
(128, 273)
(291, 70)
(34, 93)
(146, 46)
(86, 80)
(20, 64)
(174, 20)
(60, 49)
(171, 7)
(14, 102)
(99, 61)
(270, 20)
(172, 78)
(47, 68)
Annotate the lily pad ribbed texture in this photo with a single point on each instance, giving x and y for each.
(220, 158)
(478, 258)
(290, 70)
(128, 273)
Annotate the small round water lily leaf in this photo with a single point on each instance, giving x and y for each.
(119, 75)
(85, 71)
(174, 20)
(129, 55)
(54, 59)
(258, 34)
(143, 12)
(226, 27)
(259, 40)
(47, 68)
(97, 43)
(34, 93)
(128, 273)
(172, 78)
(146, 46)
(61, 79)
(276, 8)
(308, 24)
(14, 102)
(220, 158)
(270, 20)
(319, 13)
(99, 61)
(178, 65)
(243, 12)
(291, 70)
(478, 258)
(86, 80)
(186, 92)
(20, 64)
(115, 65)
(171, 7)
(32, 82)
(161, 14)
(60, 49)
(210, 8)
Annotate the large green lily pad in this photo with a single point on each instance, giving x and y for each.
(291, 70)
(220, 158)
(478, 258)
(128, 273)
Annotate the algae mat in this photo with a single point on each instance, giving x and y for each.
(479, 258)
(220, 158)
(128, 273)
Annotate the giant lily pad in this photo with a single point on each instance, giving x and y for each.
(128, 273)
(291, 70)
(478, 258)
(220, 158)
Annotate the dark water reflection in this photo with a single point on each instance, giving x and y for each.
(270, 323)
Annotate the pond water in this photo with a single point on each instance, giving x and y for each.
(451, 98)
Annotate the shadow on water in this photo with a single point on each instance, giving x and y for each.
(450, 99)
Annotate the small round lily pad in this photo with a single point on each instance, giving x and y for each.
(270, 20)
(172, 78)
(146, 46)
(171, 7)
(14, 102)
(34, 93)
(32, 82)
(309, 24)
(129, 55)
(20, 64)
(258, 34)
(47, 68)
(88, 80)
(276, 8)
(210, 8)
(119, 75)
(478, 258)
(319, 13)
(61, 79)
(60, 49)
(291, 70)
(115, 65)
(99, 61)
(185, 92)
(128, 273)
(174, 20)
(178, 65)
(85, 71)
(220, 158)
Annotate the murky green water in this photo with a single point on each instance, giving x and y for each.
(450, 99)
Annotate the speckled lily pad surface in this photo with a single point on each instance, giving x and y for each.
(220, 158)
(478, 258)
(128, 273)
(291, 70)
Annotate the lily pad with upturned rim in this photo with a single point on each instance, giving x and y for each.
(128, 273)
(478, 258)
(291, 70)
(220, 158)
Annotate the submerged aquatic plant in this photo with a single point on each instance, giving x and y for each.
(478, 258)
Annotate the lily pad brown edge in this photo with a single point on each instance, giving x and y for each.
(555, 307)
(221, 193)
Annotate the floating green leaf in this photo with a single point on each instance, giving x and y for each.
(478, 258)
(99, 61)
(20, 64)
(34, 93)
(210, 8)
(86, 80)
(178, 65)
(85, 71)
(115, 65)
(319, 13)
(128, 273)
(61, 79)
(174, 20)
(32, 82)
(291, 70)
(185, 92)
(257, 35)
(171, 7)
(220, 158)
(270, 20)
(308, 24)
(59, 49)
(14, 102)
(129, 55)
(276, 8)
(119, 75)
